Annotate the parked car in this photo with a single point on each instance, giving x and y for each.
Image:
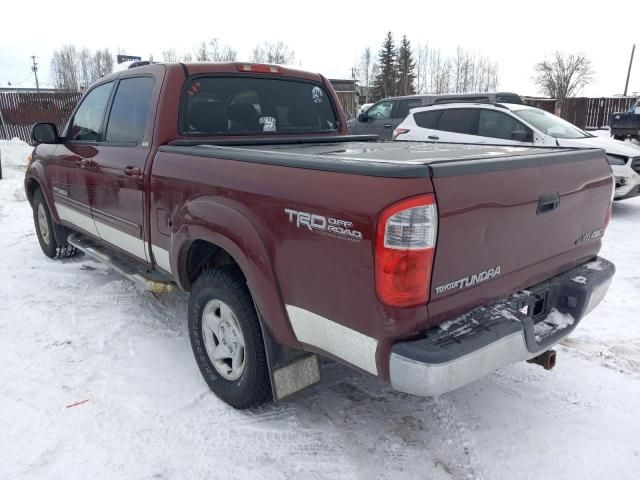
(239, 184)
(625, 125)
(363, 108)
(385, 115)
(510, 124)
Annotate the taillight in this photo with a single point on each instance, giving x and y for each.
(405, 246)
(607, 216)
(399, 131)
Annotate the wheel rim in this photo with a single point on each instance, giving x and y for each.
(223, 339)
(43, 225)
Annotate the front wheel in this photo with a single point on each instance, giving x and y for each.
(226, 338)
(51, 246)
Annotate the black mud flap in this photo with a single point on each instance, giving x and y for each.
(290, 370)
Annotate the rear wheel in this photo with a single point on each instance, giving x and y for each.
(226, 338)
(48, 232)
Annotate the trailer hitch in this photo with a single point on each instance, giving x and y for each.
(546, 360)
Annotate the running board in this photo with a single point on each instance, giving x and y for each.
(125, 267)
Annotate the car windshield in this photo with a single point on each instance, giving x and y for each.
(550, 124)
(256, 105)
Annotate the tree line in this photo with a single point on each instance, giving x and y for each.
(401, 70)
(74, 68)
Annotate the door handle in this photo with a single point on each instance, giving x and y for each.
(387, 125)
(548, 202)
(433, 137)
(132, 171)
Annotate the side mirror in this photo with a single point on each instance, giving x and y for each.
(521, 136)
(362, 117)
(45, 133)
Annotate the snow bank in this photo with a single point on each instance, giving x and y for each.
(15, 153)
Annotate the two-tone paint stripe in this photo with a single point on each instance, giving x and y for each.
(334, 338)
(309, 328)
(129, 243)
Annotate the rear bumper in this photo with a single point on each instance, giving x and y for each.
(474, 345)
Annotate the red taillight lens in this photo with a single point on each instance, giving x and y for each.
(399, 131)
(607, 217)
(405, 247)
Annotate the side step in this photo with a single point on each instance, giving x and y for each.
(125, 267)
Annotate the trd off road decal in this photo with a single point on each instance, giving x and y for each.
(589, 236)
(327, 225)
(470, 280)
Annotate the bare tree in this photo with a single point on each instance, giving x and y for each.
(422, 68)
(563, 75)
(364, 71)
(219, 52)
(169, 55)
(74, 69)
(440, 69)
(202, 52)
(214, 51)
(278, 53)
(102, 63)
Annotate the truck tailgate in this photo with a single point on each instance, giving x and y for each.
(506, 225)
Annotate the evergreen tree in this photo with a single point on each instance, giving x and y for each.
(385, 82)
(406, 69)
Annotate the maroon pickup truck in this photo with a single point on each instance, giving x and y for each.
(426, 265)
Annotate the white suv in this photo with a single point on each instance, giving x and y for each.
(511, 124)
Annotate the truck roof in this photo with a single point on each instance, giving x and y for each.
(198, 68)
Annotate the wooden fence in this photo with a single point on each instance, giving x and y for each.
(20, 110)
(584, 112)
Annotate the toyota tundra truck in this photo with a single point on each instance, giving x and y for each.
(426, 265)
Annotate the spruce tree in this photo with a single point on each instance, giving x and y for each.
(406, 69)
(385, 82)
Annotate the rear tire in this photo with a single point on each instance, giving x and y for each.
(226, 338)
(48, 232)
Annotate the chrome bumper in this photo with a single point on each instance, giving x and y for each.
(474, 345)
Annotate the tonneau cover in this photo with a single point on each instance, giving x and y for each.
(392, 159)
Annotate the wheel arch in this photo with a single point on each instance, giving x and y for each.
(207, 234)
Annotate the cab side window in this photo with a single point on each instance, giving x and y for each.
(87, 122)
(498, 125)
(128, 116)
(380, 111)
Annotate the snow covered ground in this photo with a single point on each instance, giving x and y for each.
(73, 331)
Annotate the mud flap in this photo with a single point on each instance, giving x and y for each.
(290, 370)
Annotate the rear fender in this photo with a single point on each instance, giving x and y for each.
(232, 227)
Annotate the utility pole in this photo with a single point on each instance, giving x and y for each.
(626, 85)
(34, 69)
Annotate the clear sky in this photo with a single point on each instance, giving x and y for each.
(329, 36)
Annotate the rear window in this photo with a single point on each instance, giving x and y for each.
(426, 119)
(459, 120)
(250, 106)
